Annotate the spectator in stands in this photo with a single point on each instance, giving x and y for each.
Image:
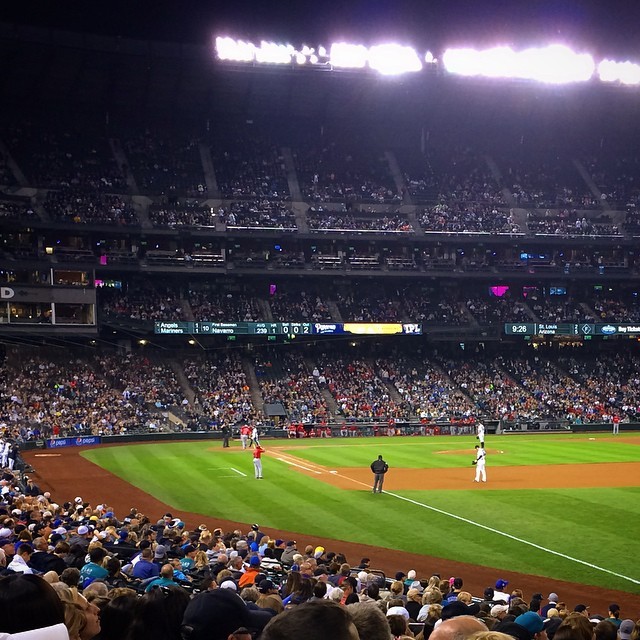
(316, 620)
(460, 627)
(213, 615)
(28, 602)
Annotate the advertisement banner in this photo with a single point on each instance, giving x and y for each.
(80, 441)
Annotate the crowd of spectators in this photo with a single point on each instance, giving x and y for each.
(259, 213)
(65, 396)
(547, 180)
(299, 305)
(320, 220)
(80, 160)
(460, 217)
(112, 394)
(189, 214)
(330, 172)
(358, 390)
(166, 165)
(285, 379)
(142, 301)
(558, 309)
(250, 166)
(222, 393)
(612, 376)
(223, 306)
(621, 306)
(554, 392)
(369, 305)
(81, 206)
(568, 222)
(425, 389)
(497, 310)
(17, 208)
(491, 389)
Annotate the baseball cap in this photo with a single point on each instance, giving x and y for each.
(501, 584)
(459, 608)
(214, 615)
(579, 608)
(626, 629)
(266, 585)
(160, 552)
(531, 621)
(514, 630)
(254, 561)
(229, 584)
(553, 597)
(498, 609)
(82, 530)
(398, 611)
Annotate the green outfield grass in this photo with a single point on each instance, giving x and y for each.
(583, 527)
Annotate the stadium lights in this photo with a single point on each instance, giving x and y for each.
(555, 64)
(386, 59)
(348, 56)
(623, 72)
(394, 59)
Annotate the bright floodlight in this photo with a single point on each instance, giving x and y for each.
(236, 50)
(623, 72)
(394, 59)
(274, 53)
(348, 56)
(555, 64)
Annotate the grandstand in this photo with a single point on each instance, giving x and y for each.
(189, 247)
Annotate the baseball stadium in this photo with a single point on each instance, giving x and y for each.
(335, 339)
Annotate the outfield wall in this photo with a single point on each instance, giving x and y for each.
(337, 431)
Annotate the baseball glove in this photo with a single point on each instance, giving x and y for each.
(474, 462)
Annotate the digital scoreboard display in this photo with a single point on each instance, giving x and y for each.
(286, 328)
(580, 329)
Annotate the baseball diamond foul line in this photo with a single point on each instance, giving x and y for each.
(501, 533)
(293, 464)
(244, 475)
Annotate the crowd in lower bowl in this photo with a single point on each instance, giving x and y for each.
(79, 571)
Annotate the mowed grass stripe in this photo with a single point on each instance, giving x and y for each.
(454, 452)
(570, 521)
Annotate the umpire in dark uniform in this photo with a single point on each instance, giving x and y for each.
(379, 467)
(226, 432)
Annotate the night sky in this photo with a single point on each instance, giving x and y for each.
(604, 28)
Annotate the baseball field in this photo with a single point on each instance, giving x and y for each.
(566, 507)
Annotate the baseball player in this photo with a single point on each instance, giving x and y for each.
(480, 433)
(257, 461)
(245, 431)
(479, 462)
(255, 438)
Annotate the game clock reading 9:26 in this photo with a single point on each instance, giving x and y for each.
(520, 329)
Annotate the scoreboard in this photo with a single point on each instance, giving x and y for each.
(286, 328)
(580, 329)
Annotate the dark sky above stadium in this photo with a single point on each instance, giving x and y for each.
(602, 27)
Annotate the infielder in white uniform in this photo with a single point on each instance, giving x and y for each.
(480, 433)
(479, 462)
